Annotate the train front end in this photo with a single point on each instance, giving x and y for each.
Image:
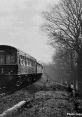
(8, 65)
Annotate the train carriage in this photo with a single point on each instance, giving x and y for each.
(26, 63)
(16, 67)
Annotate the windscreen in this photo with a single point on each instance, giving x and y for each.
(2, 57)
(7, 58)
(10, 58)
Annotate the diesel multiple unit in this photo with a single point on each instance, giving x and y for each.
(17, 67)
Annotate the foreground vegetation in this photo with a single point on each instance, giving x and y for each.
(47, 101)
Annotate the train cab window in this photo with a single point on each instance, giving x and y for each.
(8, 59)
(12, 59)
(2, 59)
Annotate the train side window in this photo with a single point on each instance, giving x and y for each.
(20, 60)
(31, 63)
(26, 62)
(34, 64)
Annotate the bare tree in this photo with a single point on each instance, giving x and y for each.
(64, 27)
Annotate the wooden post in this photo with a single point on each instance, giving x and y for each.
(13, 109)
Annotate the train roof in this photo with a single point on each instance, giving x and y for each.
(11, 48)
(25, 54)
(7, 47)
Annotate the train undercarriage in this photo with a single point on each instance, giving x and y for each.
(9, 82)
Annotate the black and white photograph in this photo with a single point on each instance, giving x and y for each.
(40, 58)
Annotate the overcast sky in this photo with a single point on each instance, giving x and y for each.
(20, 22)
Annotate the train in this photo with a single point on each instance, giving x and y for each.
(17, 67)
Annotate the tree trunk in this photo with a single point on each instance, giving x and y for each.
(79, 70)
